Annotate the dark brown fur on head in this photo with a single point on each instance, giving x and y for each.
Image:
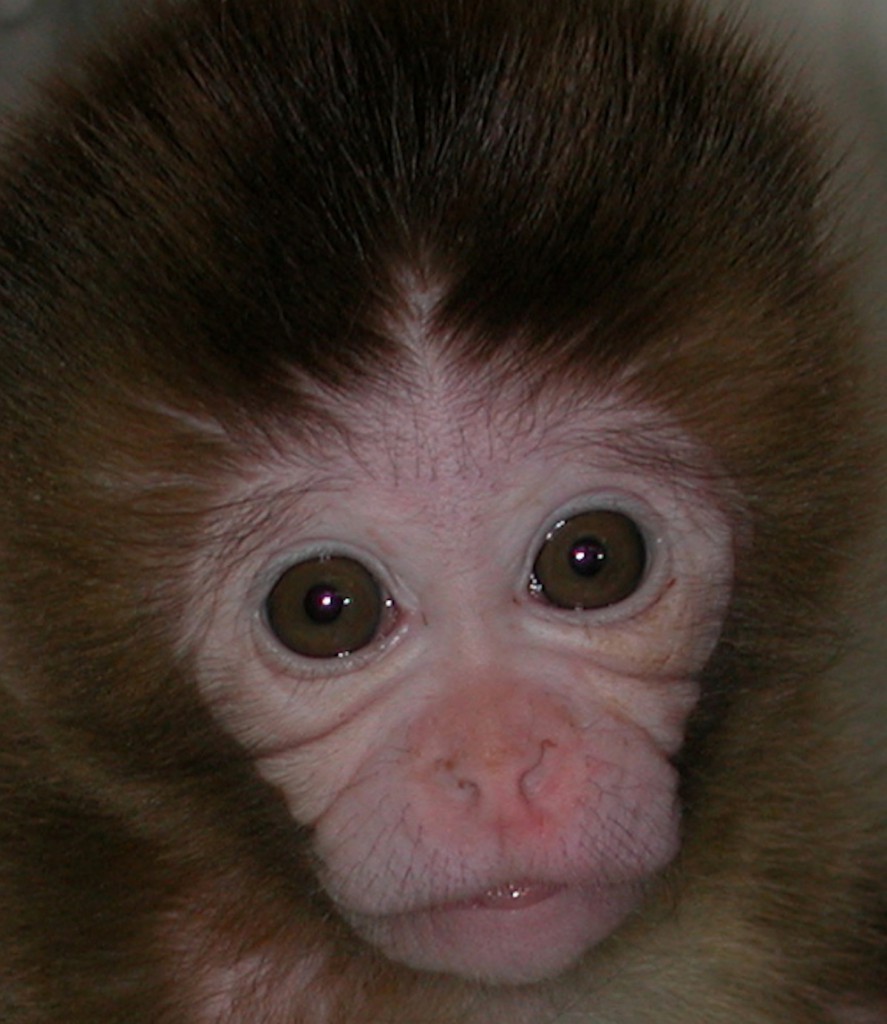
(229, 210)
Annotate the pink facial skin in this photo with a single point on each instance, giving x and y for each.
(489, 780)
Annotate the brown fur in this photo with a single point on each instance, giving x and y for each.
(611, 191)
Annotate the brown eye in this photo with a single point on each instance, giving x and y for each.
(326, 607)
(591, 560)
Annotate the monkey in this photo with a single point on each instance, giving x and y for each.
(437, 467)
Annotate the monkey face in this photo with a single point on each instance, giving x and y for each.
(466, 656)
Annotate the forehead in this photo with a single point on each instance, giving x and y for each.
(434, 401)
(423, 435)
(443, 433)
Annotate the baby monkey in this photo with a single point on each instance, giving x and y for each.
(433, 468)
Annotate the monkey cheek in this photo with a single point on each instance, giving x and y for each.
(532, 934)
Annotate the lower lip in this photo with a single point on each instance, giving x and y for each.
(516, 933)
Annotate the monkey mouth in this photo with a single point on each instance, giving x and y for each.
(511, 896)
(511, 933)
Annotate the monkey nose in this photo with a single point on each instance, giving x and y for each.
(500, 773)
(521, 765)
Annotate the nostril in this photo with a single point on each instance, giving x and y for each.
(469, 790)
(448, 774)
(533, 779)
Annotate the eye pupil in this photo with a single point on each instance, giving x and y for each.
(324, 604)
(587, 556)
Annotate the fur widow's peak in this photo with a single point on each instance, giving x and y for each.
(435, 470)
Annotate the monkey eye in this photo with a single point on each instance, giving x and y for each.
(590, 560)
(326, 607)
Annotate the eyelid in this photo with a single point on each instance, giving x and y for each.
(288, 555)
